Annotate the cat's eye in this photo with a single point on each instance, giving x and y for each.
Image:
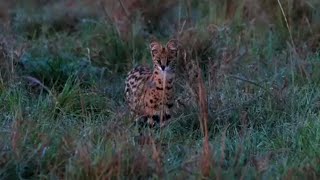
(172, 52)
(154, 51)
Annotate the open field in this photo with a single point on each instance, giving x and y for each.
(255, 115)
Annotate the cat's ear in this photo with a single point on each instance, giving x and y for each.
(154, 47)
(172, 44)
(172, 47)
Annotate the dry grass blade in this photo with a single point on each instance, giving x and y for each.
(223, 148)
(164, 92)
(113, 167)
(244, 120)
(262, 163)
(287, 23)
(124, 9)
(84, 158)
(16, 137)
(203, 104)
(249, 81)
(35, 82)
(156, 156)
(198, 89)
(203, 107)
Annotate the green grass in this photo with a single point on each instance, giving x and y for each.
(63, 115)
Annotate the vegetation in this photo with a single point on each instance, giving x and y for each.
(253, 111)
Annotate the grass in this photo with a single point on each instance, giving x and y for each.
(252, 112)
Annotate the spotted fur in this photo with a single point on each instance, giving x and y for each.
(149, 92)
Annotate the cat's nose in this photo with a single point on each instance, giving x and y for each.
(163, 67)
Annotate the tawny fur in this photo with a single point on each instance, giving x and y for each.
(149, 92)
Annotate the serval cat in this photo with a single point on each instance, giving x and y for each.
(149, 92)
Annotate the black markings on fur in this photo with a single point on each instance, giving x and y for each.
(168, 88)
(167, 116)
(142, 122)
(159, 88)
(168, 62)
(133, 77)
(156, 118)
(144, 118)
(170, 105)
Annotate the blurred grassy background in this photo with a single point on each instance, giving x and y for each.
(62, 70)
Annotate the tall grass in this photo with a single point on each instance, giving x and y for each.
(247, 90)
